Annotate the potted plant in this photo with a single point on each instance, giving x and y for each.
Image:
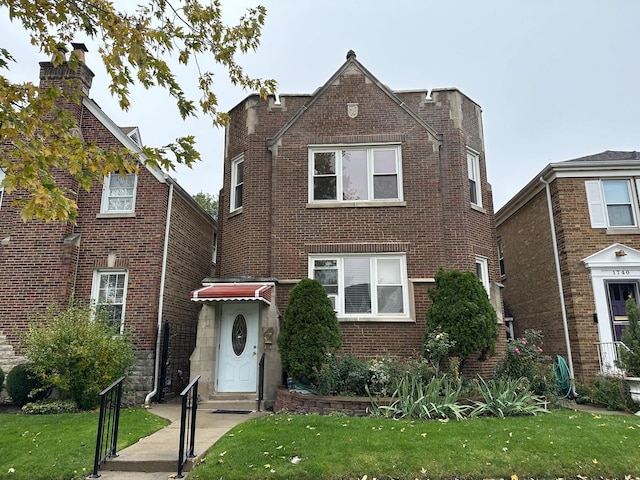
(629, 353)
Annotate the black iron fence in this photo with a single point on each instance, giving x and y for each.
(107, 439)
(186, 448)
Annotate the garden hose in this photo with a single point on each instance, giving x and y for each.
(563, 378)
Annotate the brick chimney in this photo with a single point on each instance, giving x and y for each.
(51, 75)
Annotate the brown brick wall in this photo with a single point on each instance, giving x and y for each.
(437, 228)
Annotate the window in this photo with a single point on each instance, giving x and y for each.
(237, 183)
(482, 270)
(355, 174)
(611, 203)
(473, 166)
(501, 258)
(363, 286)
(119, 193)
(1, 187)
(214, 253)
(109, 294)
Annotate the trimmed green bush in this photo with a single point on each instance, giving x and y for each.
(310, 331)
(79, 353)
(344, 375)
(23, 385)
(630, 359)
(48, 407)
(461, 308)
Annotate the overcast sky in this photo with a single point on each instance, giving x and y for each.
(556, 79)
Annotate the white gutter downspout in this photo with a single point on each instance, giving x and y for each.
(560, 287)
(156, 379)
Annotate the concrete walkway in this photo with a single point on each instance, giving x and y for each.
(156, 457)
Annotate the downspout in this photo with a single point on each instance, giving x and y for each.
(167, 228)
(560, 287)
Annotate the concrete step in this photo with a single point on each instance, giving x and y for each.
(230, 404)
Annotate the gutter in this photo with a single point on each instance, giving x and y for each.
(560, 287)
(167, 228)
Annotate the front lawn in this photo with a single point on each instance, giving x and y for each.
(47, 447)
(561, 444)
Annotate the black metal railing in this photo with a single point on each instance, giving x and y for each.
(107, 438)
(188, 416)
(261, 381)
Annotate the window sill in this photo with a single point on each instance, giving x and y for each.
(358, 204)
(376, 319)
(237, 211)
(623, 231)
(116, 215)
(478, 208)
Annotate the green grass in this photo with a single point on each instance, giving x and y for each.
(34, 447)
(562, 444)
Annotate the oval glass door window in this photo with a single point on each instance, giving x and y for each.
(239, 334)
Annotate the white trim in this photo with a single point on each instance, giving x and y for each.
(370, 149)
(484, 272)
(106, 188)
(95, 289)
(598, 206)
(373, 258)
(234, 183)
(473, 170)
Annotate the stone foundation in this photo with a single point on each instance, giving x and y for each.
(139, 382)
(293, 402)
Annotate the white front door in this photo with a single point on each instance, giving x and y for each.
(238, 349)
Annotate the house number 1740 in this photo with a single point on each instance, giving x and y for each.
(621, 272)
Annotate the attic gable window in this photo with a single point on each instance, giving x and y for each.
(119, 193)
(348, 174)
(611, 203)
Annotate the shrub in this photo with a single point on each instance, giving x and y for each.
(310, 331)
(344, 375)
(436, 347)
(610, 392)
(77, 352)
(387, 373)
(47, 407)
(524, 358)
(507, 398)
(461, 308)
(1, 378)
(630, 356)
(24, 385)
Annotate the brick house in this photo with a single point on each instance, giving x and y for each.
(412, 197)
(571, 282)
(140, 241)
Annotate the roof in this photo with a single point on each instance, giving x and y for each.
(609, 162)
(222, 292)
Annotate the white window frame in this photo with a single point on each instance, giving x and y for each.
(503, 271)
(106, 190)
(370, 149)
(475, 180)
(482, 270)
(339, 299)
(1, 187)
(235, 184)
(214, 253)
(95, 290)
(596, 200)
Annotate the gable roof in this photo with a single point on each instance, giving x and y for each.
(352, 62)
(609, 162)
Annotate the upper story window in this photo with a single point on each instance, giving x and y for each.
(214, 251)
(237, 183)
(611, 203)
(482, 270)
(1, 187)
(347, 174)
(119, 193)
(109, 293)
(473, 166)
(501, 258)
(362, 285)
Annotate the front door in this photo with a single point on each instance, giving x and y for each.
(238, 349)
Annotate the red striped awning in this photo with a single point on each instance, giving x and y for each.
(221, 292)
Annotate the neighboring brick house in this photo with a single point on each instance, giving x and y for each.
(573, 287)
(140, 244)
(366, 189)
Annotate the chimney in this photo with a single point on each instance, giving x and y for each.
(65, 77)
